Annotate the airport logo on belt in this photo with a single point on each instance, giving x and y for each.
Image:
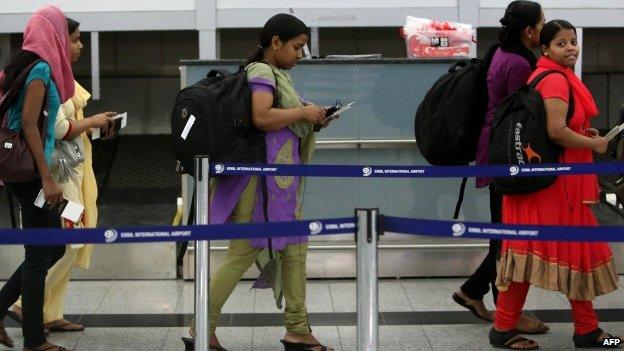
(110, 235)
(315, 227)
(458, 229)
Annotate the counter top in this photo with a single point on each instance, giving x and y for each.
(381, 61)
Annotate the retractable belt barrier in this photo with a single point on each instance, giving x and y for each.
(318, 227)
(346, 225)
(367, 224)
(229, 169)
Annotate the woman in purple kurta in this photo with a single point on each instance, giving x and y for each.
(290, 139)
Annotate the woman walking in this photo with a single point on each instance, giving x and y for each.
(49, 82)
(580, 270)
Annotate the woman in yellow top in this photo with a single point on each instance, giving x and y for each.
(80, 187)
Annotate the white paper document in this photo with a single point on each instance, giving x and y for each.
(66, 209)
(121, 121)
(339, 111)
(615, 131)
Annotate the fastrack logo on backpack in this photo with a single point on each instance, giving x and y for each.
(518, 143)
(184, 114)
(531, 154)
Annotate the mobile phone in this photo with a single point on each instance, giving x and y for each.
(328, 113)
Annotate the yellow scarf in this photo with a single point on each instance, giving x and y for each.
(89, 185)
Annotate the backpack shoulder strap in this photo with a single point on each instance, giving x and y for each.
(543, 75)
(14, 89)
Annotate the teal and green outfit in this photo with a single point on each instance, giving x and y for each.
(282, 261)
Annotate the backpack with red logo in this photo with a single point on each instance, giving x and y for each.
(519, 137)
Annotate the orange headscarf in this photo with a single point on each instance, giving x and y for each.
(46, 35)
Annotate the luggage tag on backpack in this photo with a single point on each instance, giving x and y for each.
(187, 127)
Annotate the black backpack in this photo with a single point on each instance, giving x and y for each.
(213, 117)
(519, 137)
(449, 119)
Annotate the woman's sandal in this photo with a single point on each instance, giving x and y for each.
(541, 329)
(14, 316)
(64, 326)
(507, 340)
(293, 346)
(472, 309)
(5, 339)
(189, 345)
(49, 348)
(592, 339)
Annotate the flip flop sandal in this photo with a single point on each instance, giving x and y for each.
(189, 345)
(591, 340)
(14, 316)
(293, 346)
(62, 328)
(506, 340)
(472, 309)
(5, 339)
(51, 348)
(541, 329)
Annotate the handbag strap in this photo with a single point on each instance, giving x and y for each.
(11, 95)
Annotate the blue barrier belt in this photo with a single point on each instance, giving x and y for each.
(182, 233)
(228, 169)
(472, 230)
(466, 230)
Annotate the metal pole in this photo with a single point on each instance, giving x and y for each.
(95, 65)
(367, 306)
(202, 256)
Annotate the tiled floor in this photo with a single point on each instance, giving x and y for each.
(153, 299)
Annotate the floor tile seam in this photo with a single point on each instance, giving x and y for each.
(407, 295)
(180, 298)
(110, 286)
(331, 298)
(164, 343)
(426, 337)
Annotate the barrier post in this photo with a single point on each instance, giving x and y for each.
(367, 292)
(202, 255)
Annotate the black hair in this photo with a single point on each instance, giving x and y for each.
(18, 63)
(518, 15)
(550, 30)
(72, 25)
(282, 25)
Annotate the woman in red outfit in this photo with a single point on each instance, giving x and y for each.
(580, 270)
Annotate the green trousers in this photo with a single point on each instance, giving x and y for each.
(241, 255)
